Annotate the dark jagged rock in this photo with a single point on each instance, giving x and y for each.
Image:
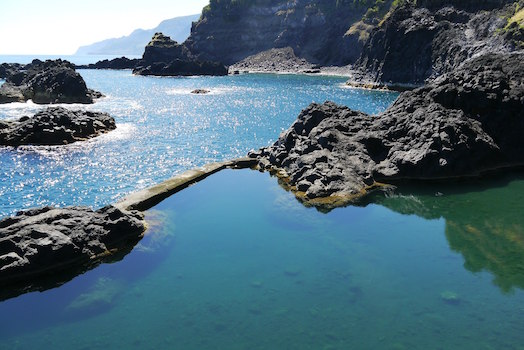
(200, 91)
(8, 69)
(116, 63)
(46, 82)
(465, 123)
(182, 68)
(55, 126)
(281, 60)
(165, 57)
(417, 42)
(44, 248)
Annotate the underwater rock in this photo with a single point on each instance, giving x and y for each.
(98, 298)
(450, 297)
(45, 247)
(55, 126)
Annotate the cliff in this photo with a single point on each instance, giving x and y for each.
(231, 30)
(426, 39)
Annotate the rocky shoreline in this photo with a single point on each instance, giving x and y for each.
(55, 126)
(43, 248)
(464, 123)
(44, 83)
(46, 247)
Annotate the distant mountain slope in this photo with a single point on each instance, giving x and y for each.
(177, 28)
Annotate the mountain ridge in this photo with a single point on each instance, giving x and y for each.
(133, 44)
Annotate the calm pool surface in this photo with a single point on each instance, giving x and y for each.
(235, 262)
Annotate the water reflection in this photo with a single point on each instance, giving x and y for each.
(484, 221)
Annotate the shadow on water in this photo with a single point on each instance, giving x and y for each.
(484, 221)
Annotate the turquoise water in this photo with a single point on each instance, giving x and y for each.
(235, 262)
(162, 130)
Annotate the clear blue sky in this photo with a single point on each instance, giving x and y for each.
(61, 26)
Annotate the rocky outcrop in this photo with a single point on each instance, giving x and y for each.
(417, 42)
(43, 248)
(165, 57)
(465, 123)
(46, 82)
(116, 63)
(274, 60)
(55, 126)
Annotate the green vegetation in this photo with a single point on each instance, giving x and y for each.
(514, 29)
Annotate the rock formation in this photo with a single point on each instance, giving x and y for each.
(280, 60)
(44, 248)
(165, 57)
(464, 123)
(116, 63)
(44, 83)
(55, 126)
(417, 42)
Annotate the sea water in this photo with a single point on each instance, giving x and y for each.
(162, 130)
(236, 262)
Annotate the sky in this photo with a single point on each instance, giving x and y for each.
(59, 27)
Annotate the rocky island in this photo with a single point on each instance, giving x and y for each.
(55, 126)
(45, 83)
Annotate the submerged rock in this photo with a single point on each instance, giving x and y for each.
(46, 82)
(43, 248)
(55, 126)
(465, 123)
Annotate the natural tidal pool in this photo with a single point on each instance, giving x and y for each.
(162, 130)
(236, 262)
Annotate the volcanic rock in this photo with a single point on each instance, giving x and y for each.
(116, 63)
(55, 126)
(46, 82)
(464, 123)
(45, 247)
(421, 41)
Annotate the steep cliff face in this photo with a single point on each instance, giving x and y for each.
(429, 38)
(231, 30)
